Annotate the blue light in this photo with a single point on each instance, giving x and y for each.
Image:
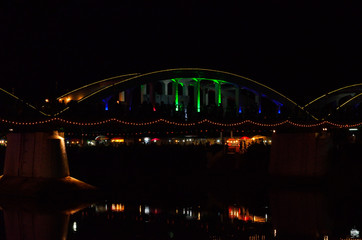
(259, 109)
(106, 100)
(240, 111)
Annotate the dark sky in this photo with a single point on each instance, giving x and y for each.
(300, 48)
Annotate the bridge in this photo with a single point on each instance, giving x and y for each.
(177, 102)
(183, 98)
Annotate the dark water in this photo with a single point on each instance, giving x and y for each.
(143, 199)
(277, 213)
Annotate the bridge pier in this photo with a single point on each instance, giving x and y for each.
(36, 164)
(300, 154)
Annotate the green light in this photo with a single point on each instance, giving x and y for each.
(217, 82)
(176, 94)
(219, 94)
(198, 95)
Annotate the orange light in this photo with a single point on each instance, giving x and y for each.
(117, 207)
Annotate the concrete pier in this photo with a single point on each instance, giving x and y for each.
(300, 154)
(36, 165)
(37, 155)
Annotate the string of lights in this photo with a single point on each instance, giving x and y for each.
(190, 124)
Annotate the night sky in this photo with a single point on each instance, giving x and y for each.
(300, 48)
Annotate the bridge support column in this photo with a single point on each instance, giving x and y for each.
(35, 163)
(106, 101)
(129, 99)
(152, 95)
(186, 89)
(186, 94)
(165, 91)
(300, 154)
(218, 94)
(237, 100)
(143, 92)
(165, 87)
(121, 96)
(258, 102)
(175, 93)
(36, 155)
(197, 94)
(206, 96)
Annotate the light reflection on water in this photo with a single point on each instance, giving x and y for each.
(289, 214)
(22, 219)
(130, 221)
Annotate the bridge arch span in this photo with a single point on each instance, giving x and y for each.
(15, 108)
(192, 86)
(338, 104)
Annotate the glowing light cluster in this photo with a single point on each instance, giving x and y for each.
(161, 120)
(117, 140)
(117, 207)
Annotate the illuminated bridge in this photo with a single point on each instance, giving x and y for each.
(207, 108)
(182, 94)
(184, 97)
